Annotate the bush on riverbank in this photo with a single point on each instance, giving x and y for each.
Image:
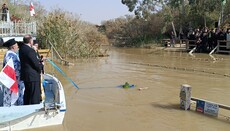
(69, 35)
(132, 32)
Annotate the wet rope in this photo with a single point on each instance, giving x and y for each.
(211, 59)
(57, 68)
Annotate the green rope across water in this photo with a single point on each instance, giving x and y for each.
(57, 68)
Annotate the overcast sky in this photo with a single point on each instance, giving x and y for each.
(93, 11)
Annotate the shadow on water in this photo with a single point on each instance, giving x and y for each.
(166, 106)
(220, 117)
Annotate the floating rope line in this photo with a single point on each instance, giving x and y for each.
(182, 69)
(211, 59)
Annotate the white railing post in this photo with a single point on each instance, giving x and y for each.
(8, 16)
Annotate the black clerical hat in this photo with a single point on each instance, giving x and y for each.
(9, 43)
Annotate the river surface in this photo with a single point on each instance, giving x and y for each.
(100, 105)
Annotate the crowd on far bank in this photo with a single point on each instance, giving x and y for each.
(205, 39)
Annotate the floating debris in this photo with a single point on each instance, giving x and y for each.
(144, 88)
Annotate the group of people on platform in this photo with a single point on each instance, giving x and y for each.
(28, 67)
(207, 39)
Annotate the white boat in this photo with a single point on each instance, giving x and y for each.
(48, 113)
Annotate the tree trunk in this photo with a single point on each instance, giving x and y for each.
(205, 22)
(174, 30)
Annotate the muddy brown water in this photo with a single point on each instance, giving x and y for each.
(100, 105)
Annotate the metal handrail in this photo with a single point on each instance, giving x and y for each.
(17, 29)
(226, 46)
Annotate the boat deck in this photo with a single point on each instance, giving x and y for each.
(51, 92)
(51, 98)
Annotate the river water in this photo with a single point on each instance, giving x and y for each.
(100, 105)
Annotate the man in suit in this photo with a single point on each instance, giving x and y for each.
(30, 72)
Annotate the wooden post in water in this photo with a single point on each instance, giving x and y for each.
(185, 96)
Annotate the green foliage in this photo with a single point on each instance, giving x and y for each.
(185, 13)
(143, 8)
(227, 12)
(70, 36)
(133, 32)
